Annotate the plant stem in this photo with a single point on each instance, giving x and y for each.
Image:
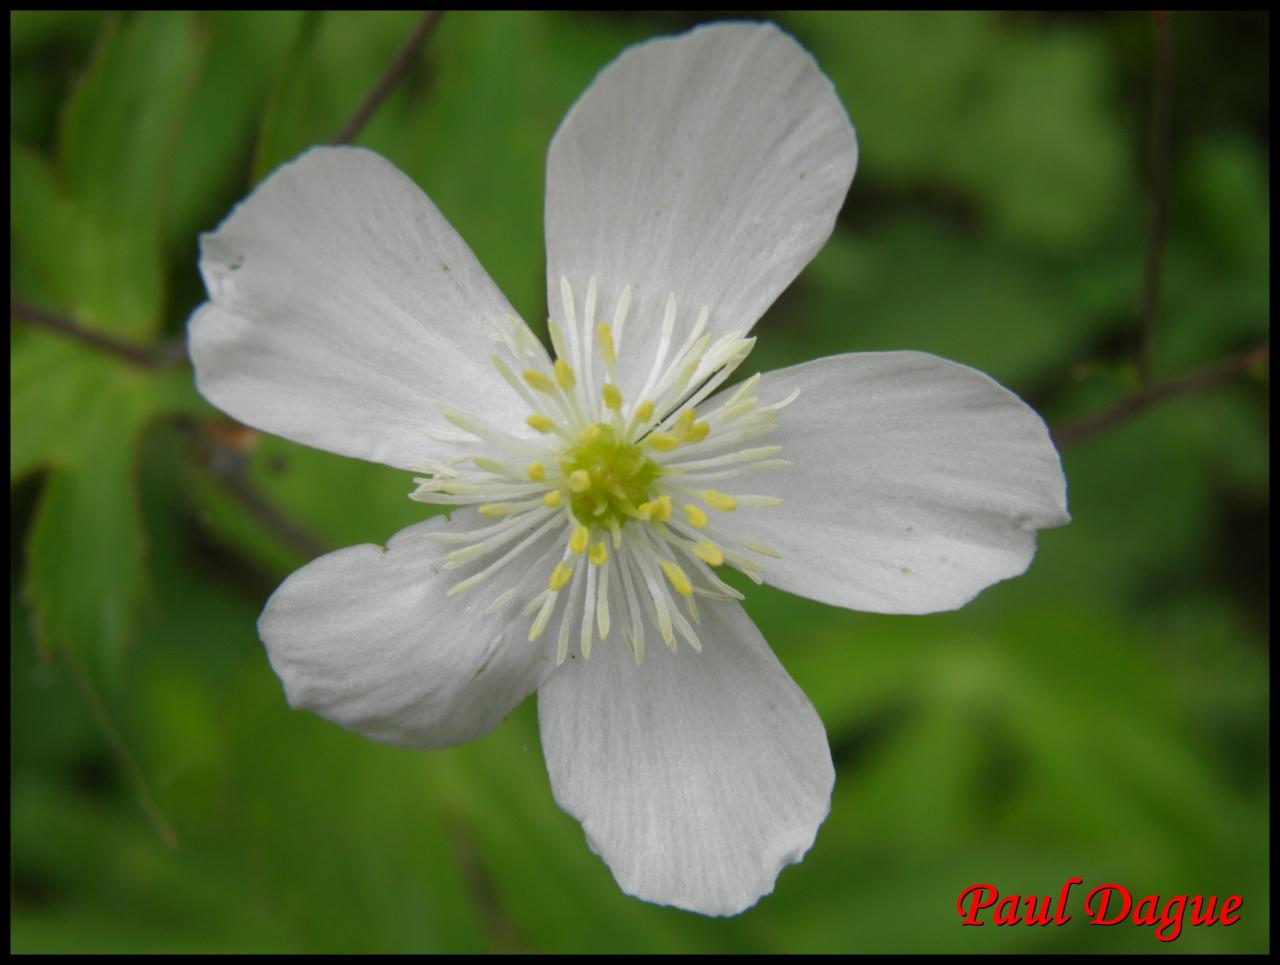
(400, 63)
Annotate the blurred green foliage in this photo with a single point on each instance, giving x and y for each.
(1103, 716)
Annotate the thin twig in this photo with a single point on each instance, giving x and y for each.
(287, 530)
(1159, 149)
(1202, 378)
(168, 356)
(120, 749)
(403, 59)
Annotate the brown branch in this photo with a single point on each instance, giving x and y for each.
(1074, 433)
(168, 356)
(400, 63)
(1159, 149)
(293, 534)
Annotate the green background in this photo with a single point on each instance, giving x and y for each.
(1103, 716)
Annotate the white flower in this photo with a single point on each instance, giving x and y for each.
(603, 489)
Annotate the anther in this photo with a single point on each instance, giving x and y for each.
(540, 423)
(539, 381)
(580, 481)
(612, 396)
(644, 411)
(708, 552)
(564, 375)
(536, 472)
(662, 441)
(599, 553)
(559, 577)
(696, 517)
(696, 433)
(552, 499)
(679, 580)
(578, 541)
(604, 335)
(718, 500)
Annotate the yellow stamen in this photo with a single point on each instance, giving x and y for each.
(662, 507)
(709, 553)
(644, 411)
(590, 434)
(579, 481)
(537, 472)
(718, 500)
(662, 441)
(679, 580)
(599, 553)
(564, 375)
(612, 396)
(578, 541)
(684, 423)
(559, 576)
(696, 517)
(539, 381)
(494, 510)
(540, 423)
(552, 499)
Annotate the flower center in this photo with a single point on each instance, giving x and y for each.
(631, 486)
(609, 478)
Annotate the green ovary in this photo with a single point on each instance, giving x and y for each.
(619, 477)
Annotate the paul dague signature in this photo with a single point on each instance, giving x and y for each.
(1108, 904)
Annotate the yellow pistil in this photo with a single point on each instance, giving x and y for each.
(559, 577)
(718, 500)
(708, 552)
(552, 499)
(536, 472)
(679, 580)
(564, 375)
(696, 517)
(612, 396)
(578, 541)
(538, 381)
(540, 423)
(598, 554)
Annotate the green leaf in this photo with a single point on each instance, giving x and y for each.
(79, 415)
(116, 145)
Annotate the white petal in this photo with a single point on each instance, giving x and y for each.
(711, 165)
(342, 304)
(368, 638)
(914, 483)
(697, 777)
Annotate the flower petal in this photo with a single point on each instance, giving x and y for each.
(914, 483)
(710, 165)
(342, 306)
(368, 638)
(697, 777)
